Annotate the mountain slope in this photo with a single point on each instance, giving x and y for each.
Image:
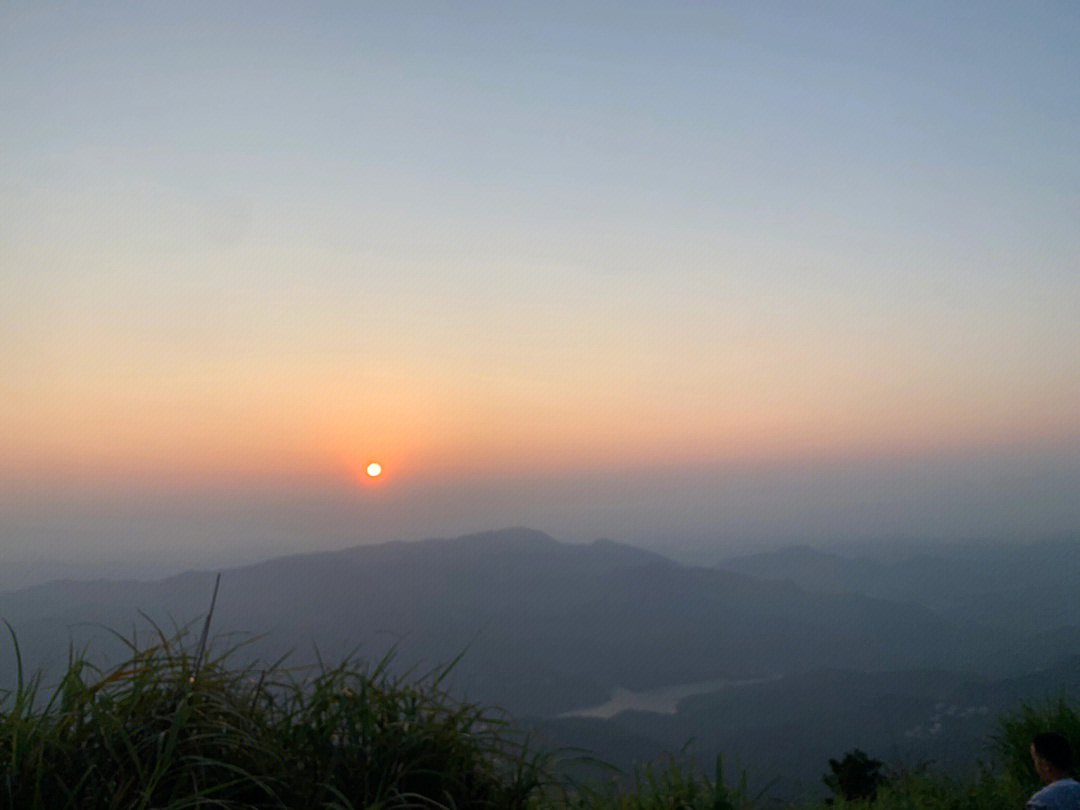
(544, 626)
(1020, 588)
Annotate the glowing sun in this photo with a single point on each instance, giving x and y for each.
(374, 469)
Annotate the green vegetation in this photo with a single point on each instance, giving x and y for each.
(1003, 783)
(170, 728)
(176, 728)
(856, 776)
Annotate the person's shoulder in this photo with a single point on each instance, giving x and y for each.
(1064, 794)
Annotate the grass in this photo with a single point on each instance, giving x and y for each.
(669, 785)
(1006, 780)
(174, 726)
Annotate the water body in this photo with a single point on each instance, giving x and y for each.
(664, 700)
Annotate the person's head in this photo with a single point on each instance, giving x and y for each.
(1052, 755)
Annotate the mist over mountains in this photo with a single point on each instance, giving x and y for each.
(1025, 593)
(800, 653)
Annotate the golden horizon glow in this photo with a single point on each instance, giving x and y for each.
(515, 377)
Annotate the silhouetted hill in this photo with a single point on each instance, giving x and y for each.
(545, 626)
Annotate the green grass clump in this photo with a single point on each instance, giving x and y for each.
(170, 729)
(671, 785)
(1004, 782)
(1016, 730)
(921, 792)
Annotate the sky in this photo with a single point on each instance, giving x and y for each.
(688, 275)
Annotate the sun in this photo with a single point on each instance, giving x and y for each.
(374, 469)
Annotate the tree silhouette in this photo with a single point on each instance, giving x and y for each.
(856, 776)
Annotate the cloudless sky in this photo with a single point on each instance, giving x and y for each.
(674, 273)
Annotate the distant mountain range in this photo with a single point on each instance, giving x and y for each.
(1026, 594)
(544, 626)
(847, 648)
(942, 577)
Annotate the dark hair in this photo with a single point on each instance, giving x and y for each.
(1055, 749)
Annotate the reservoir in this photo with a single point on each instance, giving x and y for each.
(663, 700)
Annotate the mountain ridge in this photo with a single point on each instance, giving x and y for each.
(547, 626)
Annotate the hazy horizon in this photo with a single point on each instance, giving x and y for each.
(697, 278)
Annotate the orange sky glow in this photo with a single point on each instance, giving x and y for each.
(265, 254)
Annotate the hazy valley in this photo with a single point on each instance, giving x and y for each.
(779, 660)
